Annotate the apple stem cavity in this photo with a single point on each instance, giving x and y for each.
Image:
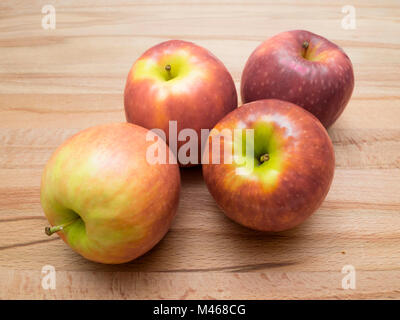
(264, 158)
(50, 230)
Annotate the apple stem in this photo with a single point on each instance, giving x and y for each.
(264, 158)
(50, 230)
(168, 69)
(305, 47)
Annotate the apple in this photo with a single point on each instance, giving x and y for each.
(179, 81)
(303, 68)
(104, 198)
(285, 176)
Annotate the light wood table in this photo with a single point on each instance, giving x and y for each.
(54, 83)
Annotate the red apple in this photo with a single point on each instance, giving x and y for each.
(303, 68)
(179, 81)
(285, 176)
(104, 198)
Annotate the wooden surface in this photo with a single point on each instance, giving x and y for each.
(54, 83)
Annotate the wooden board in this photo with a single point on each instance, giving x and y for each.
(54, 83)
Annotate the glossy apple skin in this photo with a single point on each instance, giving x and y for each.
(196, 99)
(125, 204)
(280, 197)
(321, 83)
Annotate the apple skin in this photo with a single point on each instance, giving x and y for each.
(200, 93)
(282, 192)
(320, 78)
(123, 205)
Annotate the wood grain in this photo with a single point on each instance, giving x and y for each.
(54, 83)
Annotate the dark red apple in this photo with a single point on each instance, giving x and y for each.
(284, 178)
(303, 68)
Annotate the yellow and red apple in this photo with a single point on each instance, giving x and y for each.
(104, 198)
(183, 82)
(284, 178)
(303, 68)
